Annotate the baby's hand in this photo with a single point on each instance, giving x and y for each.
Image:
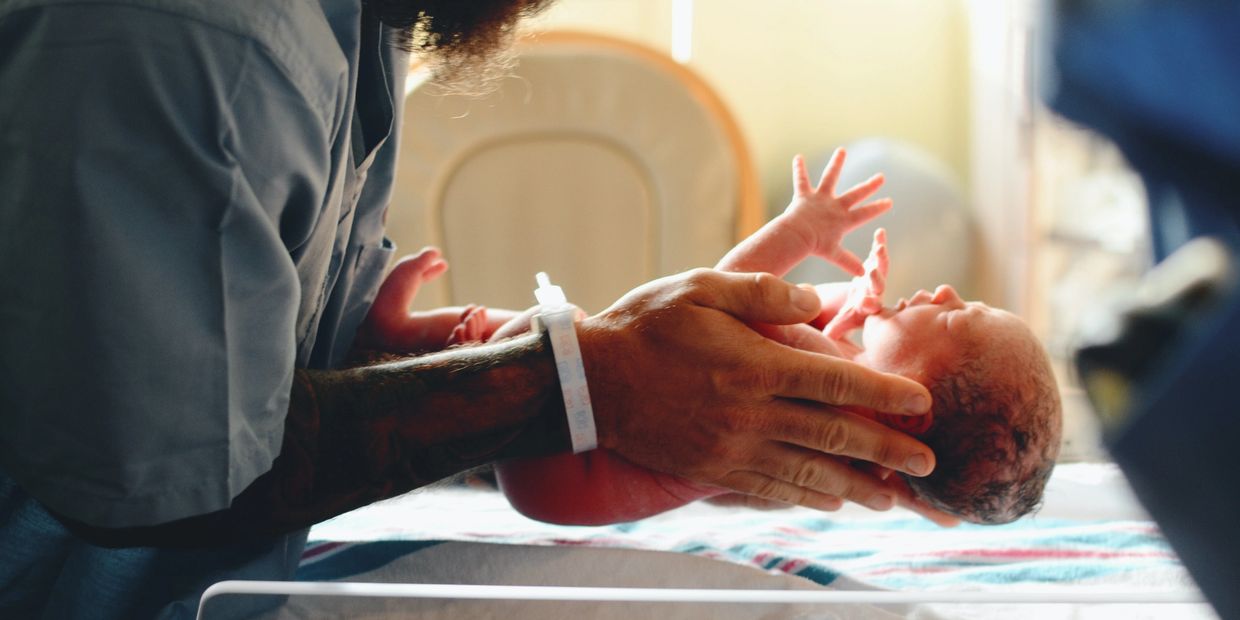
(825, 218)
(865, 296)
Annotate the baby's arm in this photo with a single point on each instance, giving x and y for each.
(813, 224)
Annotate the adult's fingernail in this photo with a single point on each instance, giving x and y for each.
(881, 501)
(918, 465)
(806, 298)
(917, 404)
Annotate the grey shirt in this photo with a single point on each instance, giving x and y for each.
(191, 206)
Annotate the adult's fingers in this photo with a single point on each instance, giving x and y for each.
(798, 336)
(761, 485)
(753, 297)
(743, 500)
(906, 498)
(823, 474)
(836, 381)
(832, 431)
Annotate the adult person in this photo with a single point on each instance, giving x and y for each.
(1161, 80)
(192, 221)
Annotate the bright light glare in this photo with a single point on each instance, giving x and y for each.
(682, 30)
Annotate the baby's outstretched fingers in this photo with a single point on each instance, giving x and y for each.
(877, 263)
(861, 191)
(866, 212)
(877, 284)
(831, 173)
(871, 305)
(800, 177)
(847, 261)
(878, 259)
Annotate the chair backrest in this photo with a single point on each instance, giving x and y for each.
(602, 162)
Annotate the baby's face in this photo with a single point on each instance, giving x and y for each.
(926, 333)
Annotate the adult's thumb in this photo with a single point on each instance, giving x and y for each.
(755, 297)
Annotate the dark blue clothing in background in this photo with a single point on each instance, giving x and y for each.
(1162, 80)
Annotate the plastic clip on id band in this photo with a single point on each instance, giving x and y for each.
(559, 318)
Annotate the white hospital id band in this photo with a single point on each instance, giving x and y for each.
(559, 318)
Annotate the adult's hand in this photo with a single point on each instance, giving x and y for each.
(681, 384)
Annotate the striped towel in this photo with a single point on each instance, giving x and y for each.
(894, 550)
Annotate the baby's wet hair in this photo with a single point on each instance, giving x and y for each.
(995, 434)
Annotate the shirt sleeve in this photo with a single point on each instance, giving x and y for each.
(147, 295)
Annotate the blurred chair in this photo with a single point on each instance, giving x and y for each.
(600, 161)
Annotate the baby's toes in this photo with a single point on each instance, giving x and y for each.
(475, 322)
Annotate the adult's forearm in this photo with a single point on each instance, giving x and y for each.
(356, 436)
(440, 414)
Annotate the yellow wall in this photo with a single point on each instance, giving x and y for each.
(808, 75)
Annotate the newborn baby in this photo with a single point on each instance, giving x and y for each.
(994, 427)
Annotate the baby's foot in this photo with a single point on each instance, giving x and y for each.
(388, 319)
(472, 326)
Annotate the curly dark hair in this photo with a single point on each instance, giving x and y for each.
(466, 42)
(996, 432)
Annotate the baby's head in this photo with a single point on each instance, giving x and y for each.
(996, 420)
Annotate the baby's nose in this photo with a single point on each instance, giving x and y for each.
(946, 295)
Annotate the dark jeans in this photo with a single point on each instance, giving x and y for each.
(47, 572)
